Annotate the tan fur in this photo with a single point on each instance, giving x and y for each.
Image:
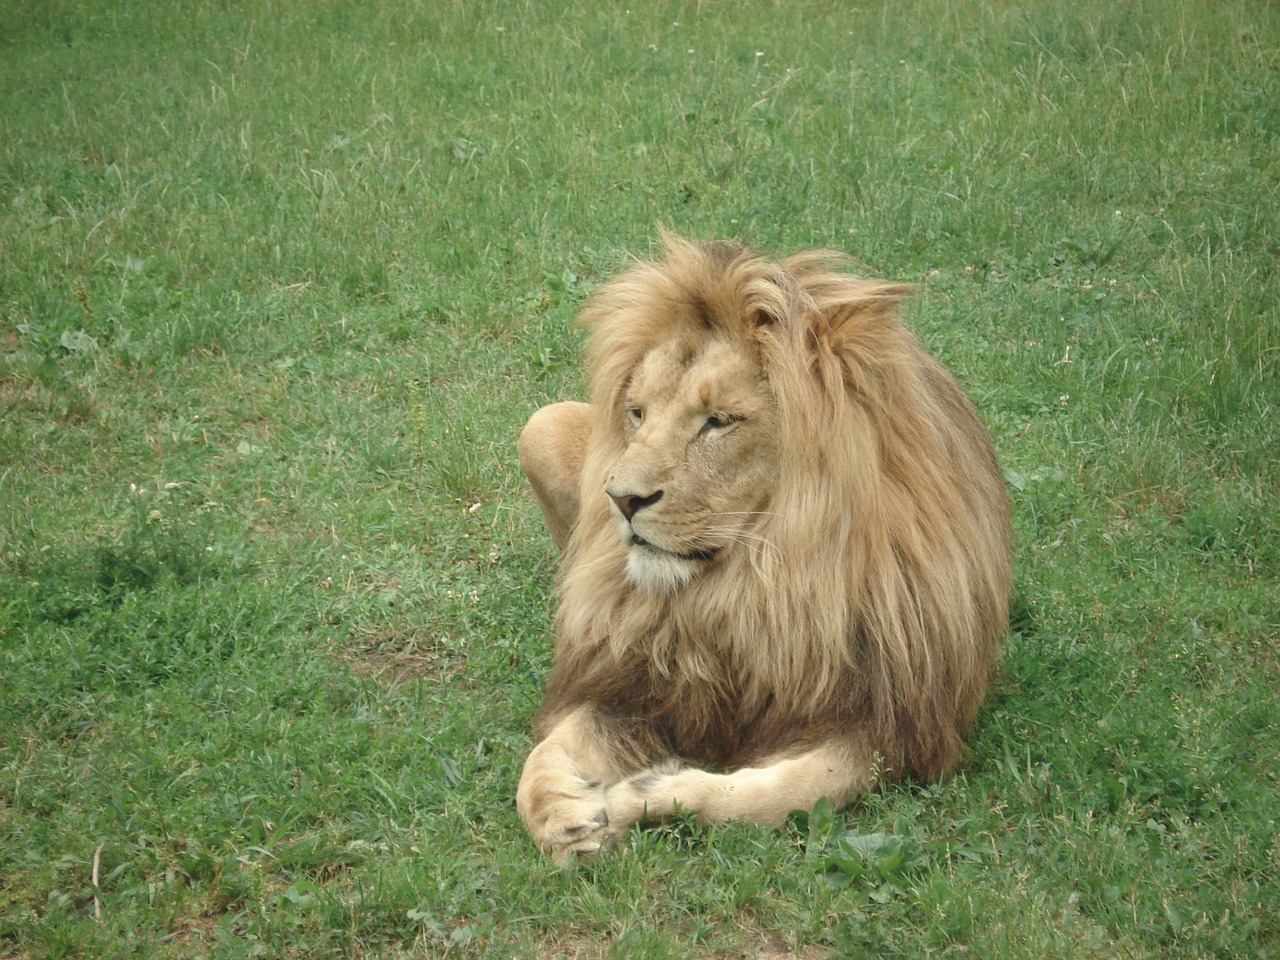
(811, 587)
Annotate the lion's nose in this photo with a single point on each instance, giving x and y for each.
(630, 503)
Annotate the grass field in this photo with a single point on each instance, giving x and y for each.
(279, 283)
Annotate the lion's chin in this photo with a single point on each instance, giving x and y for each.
(659, 571)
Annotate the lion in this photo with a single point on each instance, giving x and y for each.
(786, 551)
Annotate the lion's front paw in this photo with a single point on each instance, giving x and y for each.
(572, 824)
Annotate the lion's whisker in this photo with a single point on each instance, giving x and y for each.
(761, 544)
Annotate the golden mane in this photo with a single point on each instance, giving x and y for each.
(876, 591)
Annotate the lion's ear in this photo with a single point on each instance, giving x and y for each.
(855, 327)
(854, 303)
(773, 298)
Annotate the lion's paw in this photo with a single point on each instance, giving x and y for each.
(575, 827)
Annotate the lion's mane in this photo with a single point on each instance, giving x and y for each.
(876, 597)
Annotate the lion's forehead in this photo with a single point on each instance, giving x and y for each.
(706, 375)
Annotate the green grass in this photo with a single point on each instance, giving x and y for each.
(279, 283)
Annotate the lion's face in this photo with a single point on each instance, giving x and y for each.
(699, 462)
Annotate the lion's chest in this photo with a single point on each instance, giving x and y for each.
(702, 707)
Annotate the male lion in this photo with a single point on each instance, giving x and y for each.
(786, 551)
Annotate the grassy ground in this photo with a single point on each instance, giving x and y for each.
(279, 283)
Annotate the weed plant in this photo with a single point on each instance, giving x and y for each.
(279, 283)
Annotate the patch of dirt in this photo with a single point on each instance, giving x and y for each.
(395, 654)
(768, 948)
(773, 948)
(573, 948)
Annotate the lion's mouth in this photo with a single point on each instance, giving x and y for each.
(698, 555)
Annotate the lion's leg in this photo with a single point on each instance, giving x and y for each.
(838, 770)
(561, 797)
(551, 449)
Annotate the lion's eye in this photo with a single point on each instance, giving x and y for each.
(635, 416)
(717, 422)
